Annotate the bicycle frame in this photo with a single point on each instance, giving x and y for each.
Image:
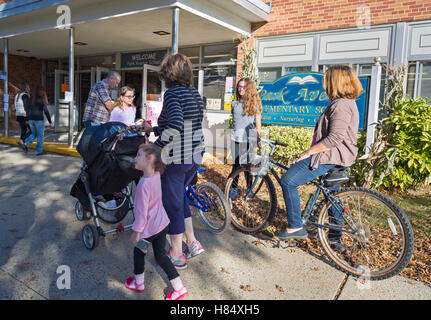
(192, 196)
(342, 212)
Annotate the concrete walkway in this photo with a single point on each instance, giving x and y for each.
(40, 235)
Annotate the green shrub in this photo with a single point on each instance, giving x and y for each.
(404, 159)
(411, 145)
(298, 140)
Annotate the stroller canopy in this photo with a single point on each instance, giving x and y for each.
(110, 161)
(90, 144)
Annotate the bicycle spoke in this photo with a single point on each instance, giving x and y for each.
(251, 209)
(379, 243)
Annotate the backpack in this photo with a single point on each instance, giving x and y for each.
(19, 105)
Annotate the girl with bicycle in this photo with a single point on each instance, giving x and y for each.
(334, 144)
(246, 111)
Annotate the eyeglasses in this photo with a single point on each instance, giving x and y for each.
(130, 97)
(242, 87)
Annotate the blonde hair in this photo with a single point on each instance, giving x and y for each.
(149, 149)
(120, 98)
(252, 102)
(341, 81)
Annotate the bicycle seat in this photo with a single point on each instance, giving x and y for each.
(334, 177)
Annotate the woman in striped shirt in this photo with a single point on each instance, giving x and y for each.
(181, 138)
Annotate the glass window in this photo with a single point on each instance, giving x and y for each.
(215, 85)
(288, 70)
(411, 75)
(192, 53)
(269, 74)
(220, 53)
(425, 84)
(98, 61)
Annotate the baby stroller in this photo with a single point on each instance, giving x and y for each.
(108, 152)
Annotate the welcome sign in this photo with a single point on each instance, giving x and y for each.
(298, 99)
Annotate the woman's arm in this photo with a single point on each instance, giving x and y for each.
(339, 118)
(317, 148)
(258, 123)
(174, 121)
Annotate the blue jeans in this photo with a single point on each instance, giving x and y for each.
(37, 132)
(174, 182)
(299, 174)
(90, 123)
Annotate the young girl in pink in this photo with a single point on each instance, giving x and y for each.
(151, 222)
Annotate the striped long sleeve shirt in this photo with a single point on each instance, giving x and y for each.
(180, 126)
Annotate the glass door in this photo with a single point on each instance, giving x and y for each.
(152, 93)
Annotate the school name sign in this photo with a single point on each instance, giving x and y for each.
(298, 99)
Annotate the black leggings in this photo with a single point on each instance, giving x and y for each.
(159, 247)
(238, 150)
(25, 129)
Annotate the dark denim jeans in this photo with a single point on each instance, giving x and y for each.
(299, 174)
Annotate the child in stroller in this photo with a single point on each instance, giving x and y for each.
(108, 151)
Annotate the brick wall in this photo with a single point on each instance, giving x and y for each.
(21, 69)
(291, 16)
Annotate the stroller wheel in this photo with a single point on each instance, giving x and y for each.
(80, 212)
(90, 236)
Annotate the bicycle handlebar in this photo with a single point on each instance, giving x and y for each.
(273, 142)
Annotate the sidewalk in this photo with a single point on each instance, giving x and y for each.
(40, 233)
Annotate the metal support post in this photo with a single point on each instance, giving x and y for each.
(71, 86)
(6, 87)
(175, 22)
(373, 108)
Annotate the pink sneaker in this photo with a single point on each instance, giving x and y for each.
(177, 294)
(131, 285)
(194, 249)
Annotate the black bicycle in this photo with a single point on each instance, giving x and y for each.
(377, 239)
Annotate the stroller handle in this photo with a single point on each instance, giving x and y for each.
(132, 128)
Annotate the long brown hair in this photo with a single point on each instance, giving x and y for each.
(341, 81)
(252, 102)
(176, 69)
(39, 93)
(120, 98)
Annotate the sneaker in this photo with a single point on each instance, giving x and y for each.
(234, 193)
(284, 235)
(194, 249)
(177, 294)
(337, 246)
(180, 263)
(132, 285)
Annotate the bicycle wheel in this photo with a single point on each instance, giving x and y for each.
(382, 242)
(215, 211)
(250, 214)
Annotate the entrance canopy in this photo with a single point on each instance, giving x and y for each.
(105, 26)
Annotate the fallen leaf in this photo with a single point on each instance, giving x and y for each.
(246, 288)
(32, 278)
(224, 270)
(279, 288)
(25, 266)
(315, 269)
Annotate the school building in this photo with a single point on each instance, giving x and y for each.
(132, 36)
